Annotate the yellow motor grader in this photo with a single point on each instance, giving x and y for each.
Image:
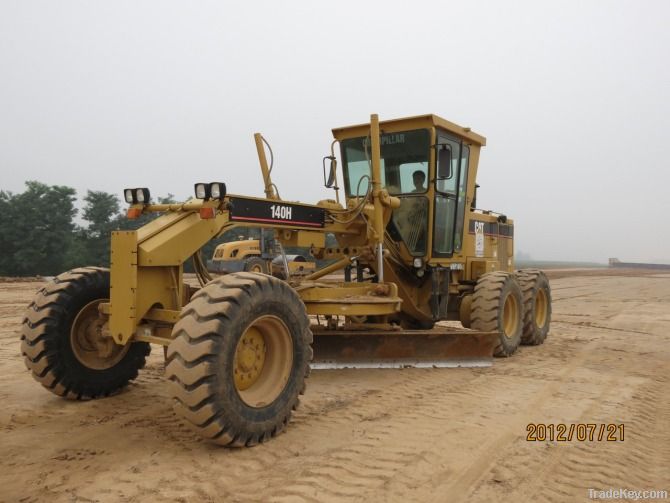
(412, 250)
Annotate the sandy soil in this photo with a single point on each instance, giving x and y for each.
(374, 435)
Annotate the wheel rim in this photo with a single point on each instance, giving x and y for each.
(541, 306)
(256, 268)
(510, 316)
(89, 343)
(263, 361)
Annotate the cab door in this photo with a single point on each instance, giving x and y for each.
(450, 198)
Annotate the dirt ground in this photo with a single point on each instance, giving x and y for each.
(375, 435)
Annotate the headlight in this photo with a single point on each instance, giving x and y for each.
(418, 262)
(202, 190)
(217, 190)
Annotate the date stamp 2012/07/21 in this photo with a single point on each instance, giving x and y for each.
(581, 432)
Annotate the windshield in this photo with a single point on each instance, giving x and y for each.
(404, 163)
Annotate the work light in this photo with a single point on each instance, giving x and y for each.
(202, 190)
(128, 194)
(214, 190)
(217, 190)
(137, 196)
(142, 195)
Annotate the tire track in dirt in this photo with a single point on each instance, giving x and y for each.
(588, 352)
(640, 461)
(572, 469)
(469, 476)
(354, 465)
(589, 324)
(344, 477)
(372, 464)
(345, 461)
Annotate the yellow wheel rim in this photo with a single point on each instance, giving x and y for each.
(541, 308)
(263, 361)
(249, 358)
(256, 268)
(90, 344)
(510, 316)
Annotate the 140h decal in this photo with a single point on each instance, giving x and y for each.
(263, 212)
(281, 212)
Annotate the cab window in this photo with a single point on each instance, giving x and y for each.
(402, 155)
(405, 157)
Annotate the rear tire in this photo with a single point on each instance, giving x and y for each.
(497, 307)
(239, 358)
(256, 264)
(536, 305)
(62, 344)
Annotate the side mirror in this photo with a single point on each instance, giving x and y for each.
(444, 162)
(330, 181)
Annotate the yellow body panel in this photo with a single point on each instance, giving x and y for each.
(177, 239)
(352, 299)
(123, 292)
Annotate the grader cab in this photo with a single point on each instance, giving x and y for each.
(412, 250)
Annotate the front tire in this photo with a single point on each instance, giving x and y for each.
(63, 340)
(497, 307)
(239, 358)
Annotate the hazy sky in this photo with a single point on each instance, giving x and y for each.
(573, 97)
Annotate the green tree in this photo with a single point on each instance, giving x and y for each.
(7, 233)
(101, 212)
(37, 229)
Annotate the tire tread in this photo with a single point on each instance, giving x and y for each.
(41, 335)
(191, 358)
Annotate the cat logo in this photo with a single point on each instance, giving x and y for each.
(479, 239)
(387, 139)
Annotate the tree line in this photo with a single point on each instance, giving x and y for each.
(41, 235)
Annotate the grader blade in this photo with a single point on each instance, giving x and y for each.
(439, 347)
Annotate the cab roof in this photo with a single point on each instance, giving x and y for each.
(410, 123)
